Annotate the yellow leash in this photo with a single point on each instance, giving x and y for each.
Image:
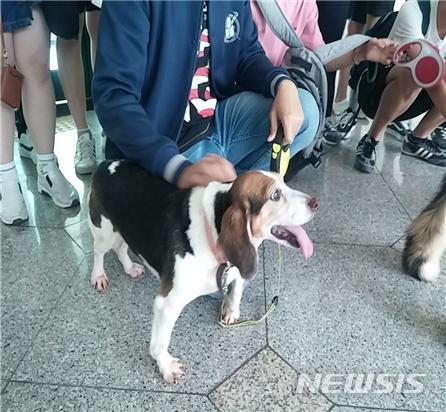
(272, 306)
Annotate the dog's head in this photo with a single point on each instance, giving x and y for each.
(262, 206)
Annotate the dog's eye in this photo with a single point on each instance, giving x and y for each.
(275, 197)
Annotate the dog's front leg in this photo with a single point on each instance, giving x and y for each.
(165, 313)
(231, 302)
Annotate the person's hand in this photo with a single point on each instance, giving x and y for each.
(287, 111)
(378, 50)
(210, 168)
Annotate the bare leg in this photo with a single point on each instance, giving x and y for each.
(71, 74)
(92, 19)
(399, 94)
(370, 21)
(429, 123)
(31, 46)
(438, 97)
(344, 74)
(7, 115)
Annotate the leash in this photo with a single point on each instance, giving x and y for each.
(272, 306)
(280, 160)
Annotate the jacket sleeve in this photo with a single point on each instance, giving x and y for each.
(255, 71)
(118, 82)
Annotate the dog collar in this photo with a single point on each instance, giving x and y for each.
(222, 277)
(224, 265)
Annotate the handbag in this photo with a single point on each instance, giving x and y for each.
(12, 79)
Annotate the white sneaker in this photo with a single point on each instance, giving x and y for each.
(12, 205)
(85, 156)
(52, 182)
(26, 147)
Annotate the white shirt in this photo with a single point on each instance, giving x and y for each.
(408, 25)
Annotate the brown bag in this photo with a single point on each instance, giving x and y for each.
(12, 80)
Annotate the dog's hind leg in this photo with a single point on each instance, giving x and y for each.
(131, 268)
(104, 239)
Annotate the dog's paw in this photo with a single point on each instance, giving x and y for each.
(230, 312)
(136, 270)
(429, 271)
(100, 283)
(174, 372)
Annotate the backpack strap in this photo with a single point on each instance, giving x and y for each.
(425, 7)
(338, 48)
(278, 23)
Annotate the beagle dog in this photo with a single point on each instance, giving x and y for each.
(197, 241)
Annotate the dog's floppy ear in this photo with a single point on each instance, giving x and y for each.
(235, 241)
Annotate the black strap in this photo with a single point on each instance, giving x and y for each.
(425, 7)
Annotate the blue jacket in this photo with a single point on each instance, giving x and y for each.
(144, 68)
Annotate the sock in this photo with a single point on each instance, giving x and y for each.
(80, 132)
(45, 160)
(414, 139)
(8, 172)
(372, 139)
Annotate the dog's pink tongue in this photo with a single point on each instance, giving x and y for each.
(304, 241)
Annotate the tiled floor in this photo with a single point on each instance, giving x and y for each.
(348, 310)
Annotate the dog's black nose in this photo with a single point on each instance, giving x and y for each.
(313, 203)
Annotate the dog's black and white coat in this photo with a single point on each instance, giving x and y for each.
(185, 236)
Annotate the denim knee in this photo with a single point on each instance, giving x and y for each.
(310, 124)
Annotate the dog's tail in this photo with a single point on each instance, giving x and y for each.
(426, 240)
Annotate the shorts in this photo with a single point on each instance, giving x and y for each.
(62, 17)
(369, 97)
(16, 14)
(360, 9)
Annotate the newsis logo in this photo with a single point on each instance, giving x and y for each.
(358, 383)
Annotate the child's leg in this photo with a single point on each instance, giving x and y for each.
(12, 205)
(399, 94)
(31, 46)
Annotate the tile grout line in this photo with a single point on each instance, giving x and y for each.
(265, 297)
(111, 388)
(377, 408)
(244, 363)
(73, 240)
(213, 403)
(396, 197)
(43, 324)
(295, 370)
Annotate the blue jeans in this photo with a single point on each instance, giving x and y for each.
(241, 126)
(17, 14)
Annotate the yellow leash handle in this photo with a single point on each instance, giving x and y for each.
(280, 154)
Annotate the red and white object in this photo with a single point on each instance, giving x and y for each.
(424, 61)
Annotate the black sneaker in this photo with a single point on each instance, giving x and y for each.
(398, 130)
(346, 120)
(331, 135)
(424, 149)
(439, 136)
(365, 154)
